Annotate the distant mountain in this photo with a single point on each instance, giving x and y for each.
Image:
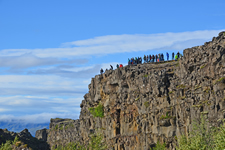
(18, 127)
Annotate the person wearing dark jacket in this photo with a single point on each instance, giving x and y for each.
(101, 71)
(162, 57)
(178, 55)
(153, 58)
(173, 56)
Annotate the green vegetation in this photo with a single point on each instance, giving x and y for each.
(10, 145)
(203, 137)
(69, 125)
(96, 143)
(137, 99)
(97, 111)
(206, 90)
(61, 127)
(159, 146)
(197, 87)
(165, 117)
(146, 104)
(202, 66)
(219, 80)
(170, 92)
(56, 127)
(146, 75)
(181, 86)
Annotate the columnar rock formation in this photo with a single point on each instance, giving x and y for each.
(150, 102)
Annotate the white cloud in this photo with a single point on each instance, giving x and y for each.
(4, 110)
(118, 44)
(37, 118)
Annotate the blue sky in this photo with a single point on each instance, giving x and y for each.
(50, 49)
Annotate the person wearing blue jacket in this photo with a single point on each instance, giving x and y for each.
(167, 54)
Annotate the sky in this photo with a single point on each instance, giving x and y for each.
(50, 49)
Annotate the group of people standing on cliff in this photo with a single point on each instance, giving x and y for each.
(147, 59)
(152, 58)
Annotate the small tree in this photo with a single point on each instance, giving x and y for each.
(203, 137)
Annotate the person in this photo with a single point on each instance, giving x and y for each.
(159, 57)
(176, 57)
(147, 58)
(173, 56)
(131, 61)
(144, 59)
(156, 58)
(150, 58)
(117, 66)
(121, 65)
(128, 61)
(167, 55)
(153, 57)
(135, 60)
(101, 71)
(111, 67)
(140, 60)
(162, 57)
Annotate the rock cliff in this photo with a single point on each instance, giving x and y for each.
(26, 140)
(148, 102)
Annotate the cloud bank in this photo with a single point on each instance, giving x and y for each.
(112, 44)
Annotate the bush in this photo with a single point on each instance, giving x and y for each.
(203, 137)
(8, 144)
(159, 146)
(96, 143)
(97, 111)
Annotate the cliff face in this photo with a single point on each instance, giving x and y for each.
(27, 141)
(149, 102)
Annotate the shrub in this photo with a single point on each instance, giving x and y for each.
(8, 144)
(159, 146)
(97, 111)
(61, 127)
(96, 143)
(56, 127)
(203, 137)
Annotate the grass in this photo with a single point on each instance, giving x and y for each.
(165, 117)
(202, 66)
(170, 92)
(146, 104)
(181, 86)
(197, 87)
(219, 80)
(69, 125)
(97, 111)
(137, 99)
(146, 75)
(61, 127)
(56, 127)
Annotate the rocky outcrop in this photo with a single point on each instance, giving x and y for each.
(26, 140)
(150, 102)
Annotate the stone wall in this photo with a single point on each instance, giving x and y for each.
(151, 102)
